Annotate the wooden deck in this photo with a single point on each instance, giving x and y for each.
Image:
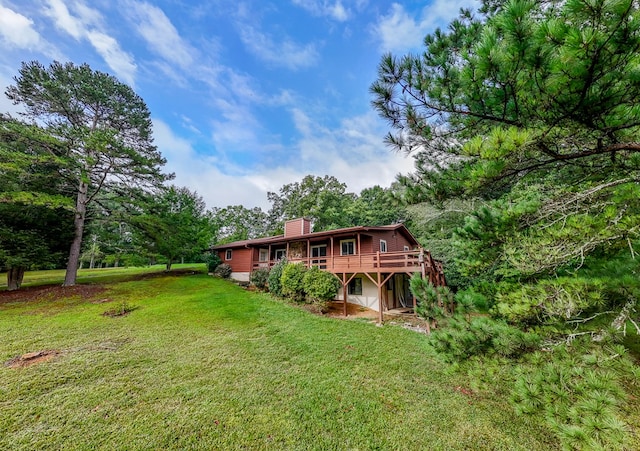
(385, 262)
(378, 267)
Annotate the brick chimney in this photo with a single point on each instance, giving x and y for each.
(297, 227)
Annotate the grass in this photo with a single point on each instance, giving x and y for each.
(97, 275)
(203, 364)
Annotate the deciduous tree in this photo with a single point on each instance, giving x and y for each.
(176, 224)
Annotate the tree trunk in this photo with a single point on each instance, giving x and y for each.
(91, 262)
(169, 262)
(14, 278)
(76, 244)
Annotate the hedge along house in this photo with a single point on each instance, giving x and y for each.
(374, 264)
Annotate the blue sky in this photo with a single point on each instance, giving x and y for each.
(245, 96)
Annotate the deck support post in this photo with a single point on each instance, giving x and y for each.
(380, 283)
(344, 293)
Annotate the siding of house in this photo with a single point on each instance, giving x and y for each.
(369, 296)
(241, 259)
(370, 244)
(394, 243)
(297, 227)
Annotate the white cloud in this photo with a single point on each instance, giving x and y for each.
(160, 34)
(58, 11)
(353, 153)
(287, 53)
(398, 31)
(237, 130)
(108, 48)
(17, 30)
(87, 24)
(202, 174)
(335, 10)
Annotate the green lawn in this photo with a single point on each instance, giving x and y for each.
(98, 275)
(203, 364)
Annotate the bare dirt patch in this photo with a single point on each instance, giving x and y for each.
(50, 293)
(32, 358)
(336, 309)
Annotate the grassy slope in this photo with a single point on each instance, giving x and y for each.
(203, 364)
(98, 275)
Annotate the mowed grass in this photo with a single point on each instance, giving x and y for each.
(204, 364)
(97, 275)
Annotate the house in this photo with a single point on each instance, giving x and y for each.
(374, 264)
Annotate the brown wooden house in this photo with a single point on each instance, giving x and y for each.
(374, 264)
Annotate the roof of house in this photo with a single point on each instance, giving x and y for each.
(315, 235)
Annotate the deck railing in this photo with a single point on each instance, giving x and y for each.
(386, 261)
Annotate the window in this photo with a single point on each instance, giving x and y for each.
(406, 248)
(280, 254)
(347, 247)
(355, 286)
(228, 254)
(264, 255)
(318, 256)
(383, 246)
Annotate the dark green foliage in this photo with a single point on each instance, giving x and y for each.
(275, 278)
(322, 199)
(223, 270)
(434, 224)
(548, 301)
(320, 287)
(531, 107)
(470, 300)
(259, 278)
(325, 201)
(580, 390)
(376, 206)
(462, 339)
(36, 210)
(430, 306)
(175, 224)
(292, 280)
(237, 223)
(212, 259)
(527, 113)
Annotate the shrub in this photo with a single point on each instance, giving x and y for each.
(275, 285)
(259, 278)
(223, 270)
(292, 281)
(321, 287)
(213, 261)
(121, 309)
